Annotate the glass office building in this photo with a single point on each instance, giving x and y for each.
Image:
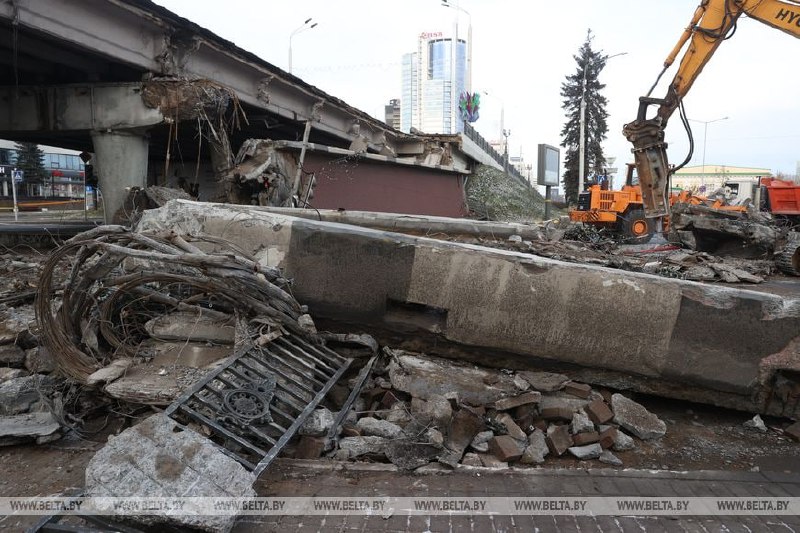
(432, 83)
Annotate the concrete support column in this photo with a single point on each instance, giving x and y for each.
(120, 162)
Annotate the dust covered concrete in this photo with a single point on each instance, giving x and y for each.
(681, 339)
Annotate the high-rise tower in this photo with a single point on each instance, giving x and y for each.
(432, 83)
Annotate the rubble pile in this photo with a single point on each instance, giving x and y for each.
(32, 399)
(586, 244)
(156, 300)
(417, 410)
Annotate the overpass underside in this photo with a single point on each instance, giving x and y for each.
(157, 98)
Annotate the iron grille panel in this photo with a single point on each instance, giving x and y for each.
(255, 402)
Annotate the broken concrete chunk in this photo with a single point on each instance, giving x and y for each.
(756, 423)
(544, 381)
(636, 418)
(481, 441)
(580, 390)
(536, 450)
(432, 376)
(558, 439)
(318, 423)
(580, 423)
(490, 461)
(369, 426)
(435, 437)
(12, 356)
(472, 459)
(28, 426)
(158, 457)
(591, 451)
(24, 394)
(110, 372)
(562, 399)
(38, 360)
(699, 273)
(184, 325)
(307, 323)
(610, 459)
(523, 399)
(398, 414)
(7, 374)
(350, 447)
(409, 455)
(520, 383)
(598, 412)
(506, 448)
(436, 410)
(623, 442)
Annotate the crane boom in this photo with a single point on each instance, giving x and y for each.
(713, 21)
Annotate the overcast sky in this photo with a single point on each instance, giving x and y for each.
(522, 51)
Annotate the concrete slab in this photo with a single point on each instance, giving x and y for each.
(677, 338)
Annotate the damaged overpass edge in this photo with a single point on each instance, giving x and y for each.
(677, 338)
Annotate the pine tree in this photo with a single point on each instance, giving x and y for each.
(30, 159)
(589, 63)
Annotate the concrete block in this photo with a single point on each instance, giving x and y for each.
(581, 390)
(505, 448)
(608, 437)
(523, 399)
(587, 437)
(513, 429)
(557, 413)
(599, 412)
(656, 343)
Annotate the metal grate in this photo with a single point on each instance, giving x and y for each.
(254, 403)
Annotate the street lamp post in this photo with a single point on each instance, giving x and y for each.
(705, 124)
(582, 125)
(502, 116)
(454, 54)
(302, 27)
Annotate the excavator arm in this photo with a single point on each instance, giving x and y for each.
(712, 23)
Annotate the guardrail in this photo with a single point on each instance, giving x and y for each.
(484, 145)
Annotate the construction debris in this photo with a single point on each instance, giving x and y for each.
(158, 457)
(445, 418)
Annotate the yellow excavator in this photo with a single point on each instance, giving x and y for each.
(712, 23)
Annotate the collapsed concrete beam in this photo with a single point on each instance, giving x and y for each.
(724, 346)
(415, 224)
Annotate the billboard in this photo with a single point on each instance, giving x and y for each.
(547, 169)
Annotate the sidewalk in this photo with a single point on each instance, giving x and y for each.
(317, 478)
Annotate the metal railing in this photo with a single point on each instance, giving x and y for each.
(484, 145)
